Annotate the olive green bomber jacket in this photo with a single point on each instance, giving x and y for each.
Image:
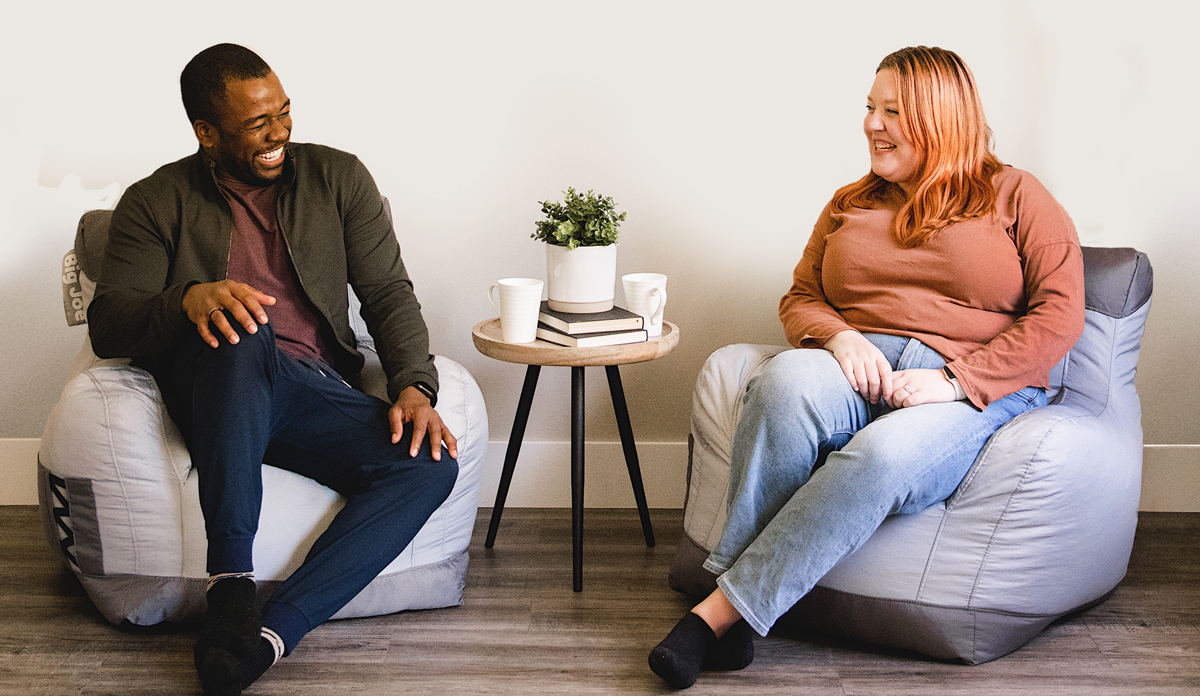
(172, 230)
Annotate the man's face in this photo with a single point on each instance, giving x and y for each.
(254, 125)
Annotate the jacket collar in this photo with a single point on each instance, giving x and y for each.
(209, 165)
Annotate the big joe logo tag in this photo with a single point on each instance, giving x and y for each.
(73, 291)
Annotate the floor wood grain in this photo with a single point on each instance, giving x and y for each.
(522, 629)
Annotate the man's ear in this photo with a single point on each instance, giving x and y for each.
(206, 133)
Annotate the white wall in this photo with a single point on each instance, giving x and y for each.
(721, 128)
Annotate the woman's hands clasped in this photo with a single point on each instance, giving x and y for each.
(919, 386)
(870, 374)
(864, 365)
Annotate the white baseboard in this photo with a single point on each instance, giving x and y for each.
(1171, 478)
(1170, 475)
(542, 477)
(18, 470)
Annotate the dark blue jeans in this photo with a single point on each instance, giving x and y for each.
(243, 405)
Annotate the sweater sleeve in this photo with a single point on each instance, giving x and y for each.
(1052, 262)
(134, 313)
(377, 274)
(808, 319)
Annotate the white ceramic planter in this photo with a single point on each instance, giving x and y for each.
(581, 279)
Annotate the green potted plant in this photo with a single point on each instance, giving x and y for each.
(581, 251)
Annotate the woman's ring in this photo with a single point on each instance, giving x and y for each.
(908, 389)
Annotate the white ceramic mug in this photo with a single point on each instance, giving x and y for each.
(646, 294)
(518, 307)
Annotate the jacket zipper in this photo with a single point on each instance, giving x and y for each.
(212, 171)
(292, 257)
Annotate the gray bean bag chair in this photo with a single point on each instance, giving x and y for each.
(121, 507)
(1041, 526)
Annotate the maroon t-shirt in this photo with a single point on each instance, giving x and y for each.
(258, 257)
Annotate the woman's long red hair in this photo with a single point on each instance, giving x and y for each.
(942, 116)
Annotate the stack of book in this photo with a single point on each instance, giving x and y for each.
(614, 327)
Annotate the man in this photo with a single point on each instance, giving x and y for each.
(225, 275)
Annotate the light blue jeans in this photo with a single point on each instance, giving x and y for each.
(791, 519)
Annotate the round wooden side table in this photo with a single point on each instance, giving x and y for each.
(487, 337)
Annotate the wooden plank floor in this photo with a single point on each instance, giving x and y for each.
(524, 631)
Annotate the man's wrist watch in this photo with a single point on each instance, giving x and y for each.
(426, 390)
(959, 394)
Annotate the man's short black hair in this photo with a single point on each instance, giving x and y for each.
(203, 79)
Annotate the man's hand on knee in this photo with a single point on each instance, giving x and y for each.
(413, 406)
(206, 304)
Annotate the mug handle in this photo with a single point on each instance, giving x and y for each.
(492, 300)
(656, 314)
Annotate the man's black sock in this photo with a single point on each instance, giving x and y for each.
(223, 674)
(220, 672)
(231, 636)
(260, 662)
(233, 620)
(677, 659)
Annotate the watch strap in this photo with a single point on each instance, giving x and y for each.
(959, 394)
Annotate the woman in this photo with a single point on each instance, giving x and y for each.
(930, 304)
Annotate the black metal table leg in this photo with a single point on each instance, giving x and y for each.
(627, 444)
(514, 448)
(577, 477)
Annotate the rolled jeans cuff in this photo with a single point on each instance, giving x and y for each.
(760, 627)
(716, 566)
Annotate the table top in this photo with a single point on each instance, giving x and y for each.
(487, 337)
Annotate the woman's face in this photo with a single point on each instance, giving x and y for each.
(893, 157)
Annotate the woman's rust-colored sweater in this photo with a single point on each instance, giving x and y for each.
(1000, 296)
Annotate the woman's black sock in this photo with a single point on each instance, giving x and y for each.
(678, 658)
(733, 651)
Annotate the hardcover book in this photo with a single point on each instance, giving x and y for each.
(595, 338)
(615, 319)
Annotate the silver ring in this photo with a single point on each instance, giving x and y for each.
(214, 309)
(908, 389)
